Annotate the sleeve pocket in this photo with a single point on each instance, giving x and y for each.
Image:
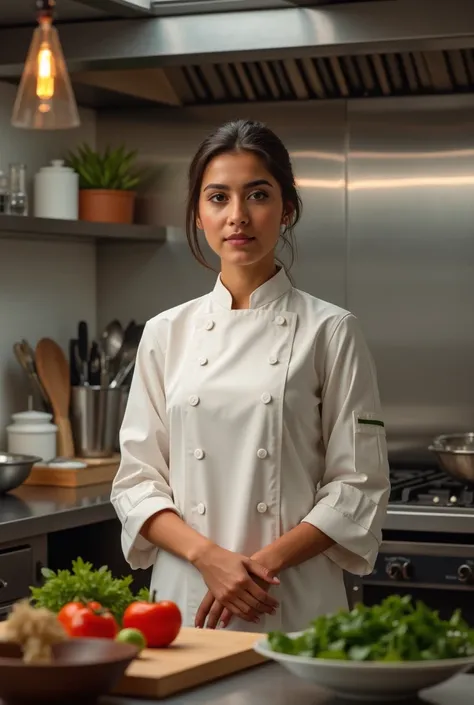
(369, 437)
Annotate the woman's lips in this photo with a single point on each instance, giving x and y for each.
(239, 240)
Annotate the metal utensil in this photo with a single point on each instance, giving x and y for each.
(110, 345)
(26, 359)
(127, 357)
(14, 469)
(83, 347)
(122, 374)
(455, 454)
(112, 338)
(95, 365)
(74, 362)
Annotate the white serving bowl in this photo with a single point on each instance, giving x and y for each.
(368, 680)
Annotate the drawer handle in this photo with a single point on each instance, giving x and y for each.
(3, 583)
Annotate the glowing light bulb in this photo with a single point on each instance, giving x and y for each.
(45, 80)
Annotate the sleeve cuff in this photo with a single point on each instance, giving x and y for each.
(356, 547)
(139, 552)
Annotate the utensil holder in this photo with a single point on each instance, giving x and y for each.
(95, 419)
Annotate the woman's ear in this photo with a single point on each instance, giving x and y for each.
(287, 213)
(198, 223)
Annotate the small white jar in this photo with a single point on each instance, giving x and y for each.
(32, 433)
(57, 192)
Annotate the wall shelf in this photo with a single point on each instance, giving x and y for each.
(29, 227)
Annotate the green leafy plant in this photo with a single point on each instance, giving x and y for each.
(84, 582)
(111, 169)
(397, 629)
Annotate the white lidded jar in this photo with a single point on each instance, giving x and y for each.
(57, 192)
(32, 433)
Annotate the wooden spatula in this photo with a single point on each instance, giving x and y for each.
(54, 373)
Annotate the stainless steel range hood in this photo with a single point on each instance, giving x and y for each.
(328, 51)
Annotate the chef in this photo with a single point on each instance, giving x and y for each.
(253, 452)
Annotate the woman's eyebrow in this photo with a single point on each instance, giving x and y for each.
(250, 184)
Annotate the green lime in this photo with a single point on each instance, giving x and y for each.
(132, 636)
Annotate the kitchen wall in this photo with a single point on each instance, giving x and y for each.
(387, 232)
(45, 287)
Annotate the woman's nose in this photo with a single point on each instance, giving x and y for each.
(239, 215)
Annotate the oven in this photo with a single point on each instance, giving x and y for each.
(428, 545)
(439, 574)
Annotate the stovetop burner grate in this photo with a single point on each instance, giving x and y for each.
(429, 487)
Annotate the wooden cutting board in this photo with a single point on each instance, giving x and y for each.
(196, 657)
(98, 471)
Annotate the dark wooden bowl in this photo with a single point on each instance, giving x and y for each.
(83, 670)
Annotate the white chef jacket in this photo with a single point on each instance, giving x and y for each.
(245, 423)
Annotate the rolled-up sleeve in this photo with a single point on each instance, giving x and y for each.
(351, 500)
(141, 487)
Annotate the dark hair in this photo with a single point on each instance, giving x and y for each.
(248, 136)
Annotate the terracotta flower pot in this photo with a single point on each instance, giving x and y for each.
(106, 205)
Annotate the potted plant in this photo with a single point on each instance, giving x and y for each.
(107, 183)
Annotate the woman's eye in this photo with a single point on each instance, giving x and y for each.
(217, 198)
(258, 195)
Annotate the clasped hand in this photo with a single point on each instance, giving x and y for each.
(237, 585)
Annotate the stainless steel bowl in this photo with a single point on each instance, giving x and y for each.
(455, 454)
(14, 469)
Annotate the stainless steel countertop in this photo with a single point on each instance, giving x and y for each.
(31, 511)
(272, 684)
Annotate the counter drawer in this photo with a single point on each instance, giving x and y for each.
(16, 574)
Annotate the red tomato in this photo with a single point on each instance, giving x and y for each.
(91, 622)
(159, 622)
(67, 612)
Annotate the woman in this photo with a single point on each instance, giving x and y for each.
(254, 466)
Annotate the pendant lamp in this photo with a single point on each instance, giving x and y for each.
(45, 99)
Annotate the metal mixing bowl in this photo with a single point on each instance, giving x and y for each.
(14, 469)
(455, 454)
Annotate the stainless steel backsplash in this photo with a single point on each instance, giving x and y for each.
(387, 232)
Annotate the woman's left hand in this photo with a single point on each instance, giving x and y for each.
(214, 612)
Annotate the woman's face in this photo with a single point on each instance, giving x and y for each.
(240, 209)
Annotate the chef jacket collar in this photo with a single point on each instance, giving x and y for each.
(271, 290)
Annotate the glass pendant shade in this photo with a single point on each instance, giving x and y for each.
(45, 99)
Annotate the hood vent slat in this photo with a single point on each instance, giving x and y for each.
(323, 78)
(458, 68)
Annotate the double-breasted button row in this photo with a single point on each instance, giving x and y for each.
(266, 398)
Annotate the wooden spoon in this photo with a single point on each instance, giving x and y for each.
(54, 373)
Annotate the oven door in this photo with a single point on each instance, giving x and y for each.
(439, 574)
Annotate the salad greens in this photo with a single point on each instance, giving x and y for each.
(85, 583)
(397, 629)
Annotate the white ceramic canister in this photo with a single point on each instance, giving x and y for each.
(57, 192)
(32, 433)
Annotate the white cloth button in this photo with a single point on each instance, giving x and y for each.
(194, 400)
(266, 398)
(209, 325)
(280, 320)
(199, 454)
(203, 361)
(273, 359)
(262, 453)
(201, 508)
(262, 507)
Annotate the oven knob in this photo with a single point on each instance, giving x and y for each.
(465, 573)
(407, 570)
(394, 571)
